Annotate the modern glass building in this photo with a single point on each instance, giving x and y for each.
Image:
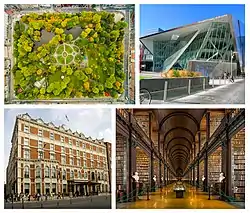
(207, 46)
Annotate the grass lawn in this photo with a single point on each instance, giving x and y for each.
(68, 49)
(60, 49)
(69, 59)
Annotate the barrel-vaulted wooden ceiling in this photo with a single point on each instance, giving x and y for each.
(178, 128)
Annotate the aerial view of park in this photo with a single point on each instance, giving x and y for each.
(68, 55)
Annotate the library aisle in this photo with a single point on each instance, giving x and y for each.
(192, 153)
(165, 199)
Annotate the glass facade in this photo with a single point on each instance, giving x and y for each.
(214, 43)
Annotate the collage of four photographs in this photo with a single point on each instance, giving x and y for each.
(123, 154)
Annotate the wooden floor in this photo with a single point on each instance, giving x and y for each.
(193, 199)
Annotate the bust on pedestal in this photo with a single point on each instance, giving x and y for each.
(222, 184)
(154, 183)
(203, 183)
(135, 183)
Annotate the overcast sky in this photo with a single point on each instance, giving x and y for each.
(91, 122)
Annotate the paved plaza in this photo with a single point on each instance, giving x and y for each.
(95, 202)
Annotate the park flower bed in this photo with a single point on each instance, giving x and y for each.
(52, 61)
(180, 74)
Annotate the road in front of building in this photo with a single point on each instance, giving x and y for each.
(233, 93)
(96, 202)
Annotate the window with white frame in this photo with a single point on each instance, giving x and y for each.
(40, 144)
(47, 171)
(97, 157)
(53, 172)
(40, 154)
(91, 156)
(70, 151)
(71, 174)
(70, 142)
(78, 162)
(62, 149)
(71, 161)
(85, 175)
(98, 164)
(26, 154)
(79, 174)
(26, 129)
(77, 153)
(85, 163)
(83, 145)
(26, 141)
(91, 164)
(84, 155)
(26, 172)
(51, 136)
(38, 172)
(62, 139)
(90, 147)
(52, 156)
(63, 159)
(40, 132)
(52, 147)
(77, 143)
(64, 174)
(93, 147)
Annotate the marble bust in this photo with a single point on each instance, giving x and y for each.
(222, 177)
(136, 177)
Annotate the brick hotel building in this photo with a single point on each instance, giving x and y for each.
(48, 159)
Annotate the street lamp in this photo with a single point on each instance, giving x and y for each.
(232, 55)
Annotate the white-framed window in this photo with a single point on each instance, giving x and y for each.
(93, 147)
(52, 156)
(90, 147)
(26, 141)
(70, 151)
(63, 159)
(77, 153)
(26, 172)
(64, 174)
(70, 142)
(53, 172)
(40, 154)
(71, 174)
(62, 139)
(97, 157)
(85, 175)
(40, 133)
(85, 163)
(77, 143)
(71, 161)
(78, 162)
(52, 147)
(84, 155)
(83, 145)
(91, 157)
(27, 154)
(51, 136)
(98, 165)
(40, 144)
(47, 171)
(91, 164)
(26, 129)
(79, 174)
(62, 149)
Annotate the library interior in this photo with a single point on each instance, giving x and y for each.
(180, 158)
